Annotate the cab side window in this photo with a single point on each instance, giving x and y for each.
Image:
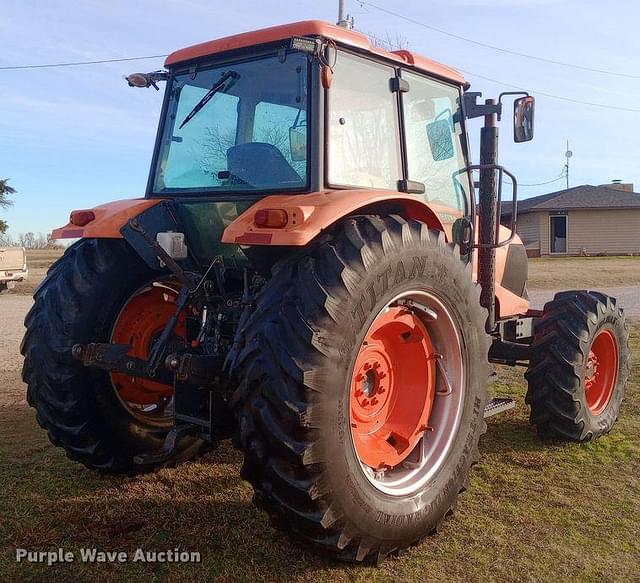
(434, 141)
(364, 142)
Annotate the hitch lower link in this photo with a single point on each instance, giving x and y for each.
(115, 358)
(199, 370)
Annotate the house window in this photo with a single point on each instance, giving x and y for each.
(558, 234)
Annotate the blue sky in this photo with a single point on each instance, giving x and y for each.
(76, 137)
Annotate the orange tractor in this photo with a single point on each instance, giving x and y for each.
(310, 273)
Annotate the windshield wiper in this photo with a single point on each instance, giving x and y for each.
(219, 86)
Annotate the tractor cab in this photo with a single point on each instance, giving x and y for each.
(307, 108)
(314, 110)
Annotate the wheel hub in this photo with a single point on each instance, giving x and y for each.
(392, 388)
(601, 371)
(139, 324)
(591, 371)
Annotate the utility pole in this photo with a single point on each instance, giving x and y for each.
(568, 155)
(344, 20)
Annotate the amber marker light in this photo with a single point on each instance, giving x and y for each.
(271, 218)
(81, 218)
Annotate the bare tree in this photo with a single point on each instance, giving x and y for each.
(5, 191)
(5, 240)
(389, 42)
(213, 148)
(32, 240)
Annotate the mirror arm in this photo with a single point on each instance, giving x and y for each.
(523, 93)
(474, 109)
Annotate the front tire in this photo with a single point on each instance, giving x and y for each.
(579, 366)
(303, 348)
(80, 408)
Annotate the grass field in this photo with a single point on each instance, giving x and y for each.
(535, 511)
(583, 272)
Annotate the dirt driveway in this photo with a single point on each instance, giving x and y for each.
(13, 309)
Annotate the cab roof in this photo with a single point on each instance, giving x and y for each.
(317, 28)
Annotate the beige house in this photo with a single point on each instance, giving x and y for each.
(584, 220)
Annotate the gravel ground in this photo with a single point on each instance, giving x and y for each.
(13, 309)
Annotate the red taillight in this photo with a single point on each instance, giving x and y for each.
(81, 218)
(271, 218)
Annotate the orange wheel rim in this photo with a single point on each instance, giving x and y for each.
(601, 371)
(139, 324)
(392, 389)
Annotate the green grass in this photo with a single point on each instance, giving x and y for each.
(535, 511)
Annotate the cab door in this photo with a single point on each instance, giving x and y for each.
(434, 139)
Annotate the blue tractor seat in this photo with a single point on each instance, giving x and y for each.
(261, 165)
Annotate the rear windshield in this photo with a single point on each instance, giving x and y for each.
(237, 127)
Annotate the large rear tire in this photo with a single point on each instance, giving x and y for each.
(81, 409)
(304, 368)
(579, 366)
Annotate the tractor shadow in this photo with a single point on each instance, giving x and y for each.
(511, 441)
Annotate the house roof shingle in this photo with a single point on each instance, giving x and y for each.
(578, 197)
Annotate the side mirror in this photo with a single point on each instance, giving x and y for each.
(298, 143)
(523, 110)
(145, 80)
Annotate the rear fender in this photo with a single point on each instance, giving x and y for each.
(311, 214)
(109, 220)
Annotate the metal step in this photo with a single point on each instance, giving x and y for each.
(498, 405)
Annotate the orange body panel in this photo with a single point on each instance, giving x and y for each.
(318, 28)
(309, 214)
(110, 218)
(509, 303)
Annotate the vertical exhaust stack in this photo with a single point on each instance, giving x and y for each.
(487, 221)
